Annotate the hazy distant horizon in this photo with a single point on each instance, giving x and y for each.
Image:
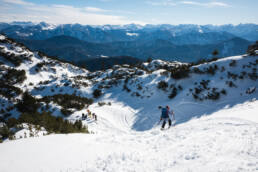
(146, 24)
(117, 12)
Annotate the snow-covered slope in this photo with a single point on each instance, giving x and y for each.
(215, 105)
(223, 141)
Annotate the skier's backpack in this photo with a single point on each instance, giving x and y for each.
(164, 113)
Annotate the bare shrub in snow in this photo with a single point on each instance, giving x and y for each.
(162, 85)
(250, 90)
(197, 70)
(97, 93)
(13, 76)
(101, 103)
(223, 91)
(252, 49)
(232, 63)
(253, 75)
(66, 112)
(27, 104)
(222, 69)
(68, 101)
(173, 93)
(231, 84)
(126, 88)
(211, 69)
(180, 72)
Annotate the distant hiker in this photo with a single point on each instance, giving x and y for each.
(89, 113)
(84, 116)
(173, 115)
(165, 117)
(95, 116)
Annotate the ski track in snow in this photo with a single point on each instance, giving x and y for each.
(223, 141)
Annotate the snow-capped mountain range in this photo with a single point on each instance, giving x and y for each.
(185, 43)
(177, 34)
(215, 105)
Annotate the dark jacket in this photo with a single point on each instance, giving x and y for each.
(164, 113)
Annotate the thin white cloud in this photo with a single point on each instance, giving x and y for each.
(190, 3)
(59, 14)
(17, 2)
(219, 4)
(173, 3)
(94, 9)
(161, 3)
(208, 4)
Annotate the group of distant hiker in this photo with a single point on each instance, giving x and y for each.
(165, 112)
(89, 115)
(164, 118)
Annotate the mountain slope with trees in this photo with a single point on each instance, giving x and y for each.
(72, 49)
(215, 103)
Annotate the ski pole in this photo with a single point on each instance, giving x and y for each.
(159, 121)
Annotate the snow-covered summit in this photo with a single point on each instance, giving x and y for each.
(160, 64)
(2, 37)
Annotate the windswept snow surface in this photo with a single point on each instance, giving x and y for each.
(224, 141)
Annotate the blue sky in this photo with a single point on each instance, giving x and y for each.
(98, 12)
